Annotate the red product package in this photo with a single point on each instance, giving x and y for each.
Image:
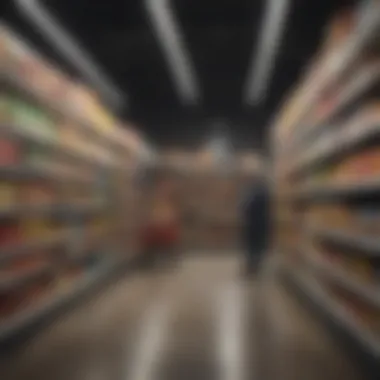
(9, 152)
(9, 234)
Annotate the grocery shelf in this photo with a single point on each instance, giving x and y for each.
(14, 251)
(366, 292)
(51, 210)
(31, 172)
(18, 210)
(61, 166)
(339, 62)
(326, 144)
(54, 105)
(354, 90)
(82, 207)
(327, 191)
(23, 277)
(316, 294)
(13, 131)
(366, 244)
(55, 302)
(338, 145)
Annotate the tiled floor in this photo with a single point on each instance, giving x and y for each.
(197, 321)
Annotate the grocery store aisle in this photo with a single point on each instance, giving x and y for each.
(198, 321)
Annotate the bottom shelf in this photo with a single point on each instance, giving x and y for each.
(360, 339)
(53, 304)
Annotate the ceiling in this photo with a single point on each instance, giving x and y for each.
(220, 37)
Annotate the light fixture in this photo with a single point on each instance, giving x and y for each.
(171, 39)
(263, 59)
(75, 53)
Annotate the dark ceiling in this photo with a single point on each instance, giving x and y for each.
(220, 35)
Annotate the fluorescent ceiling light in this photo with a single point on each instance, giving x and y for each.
(71, 50)
(262, 62)
(171, 39)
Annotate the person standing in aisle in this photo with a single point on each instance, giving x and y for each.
(161, 231)
(256, 224)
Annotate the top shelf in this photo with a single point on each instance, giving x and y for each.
(25, 71)
(335, 67)
(55, 106)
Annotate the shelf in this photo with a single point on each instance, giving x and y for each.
(56, 108)
(337, 146)
(53, 303)
(354, 90)
(366, 292)
(10, 130)
(53, 105)
(323, 301)
(320, 192)
(28, 211)
(32, 172)
(29, 248)
(21, 278)
(369, 245)
(51, 210)
(339, 62)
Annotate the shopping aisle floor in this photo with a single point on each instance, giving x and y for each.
(198, 321)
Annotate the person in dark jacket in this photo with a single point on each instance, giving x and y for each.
(256, 225)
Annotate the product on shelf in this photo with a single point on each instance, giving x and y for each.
(27, 118)
(9, 195)
(37, 193)
(338, 215)
(10, 233)
(10, 153)
(39, 228)
(361, 166)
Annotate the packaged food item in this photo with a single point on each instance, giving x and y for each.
(9, 195)
(5, 109)
(69, 135)
(28, 119)
(10, 152)
(363, 165)
(10, 233)
(37, 193)
(38, 228)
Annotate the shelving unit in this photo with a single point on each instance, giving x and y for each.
(65, 170)
(326, 143)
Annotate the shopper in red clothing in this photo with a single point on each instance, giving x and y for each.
(160, 236)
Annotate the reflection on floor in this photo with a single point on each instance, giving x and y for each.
(197, 321)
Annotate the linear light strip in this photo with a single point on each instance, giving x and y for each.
(171, 39)
(263, 60)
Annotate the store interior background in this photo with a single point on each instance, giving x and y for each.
(98, 95)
